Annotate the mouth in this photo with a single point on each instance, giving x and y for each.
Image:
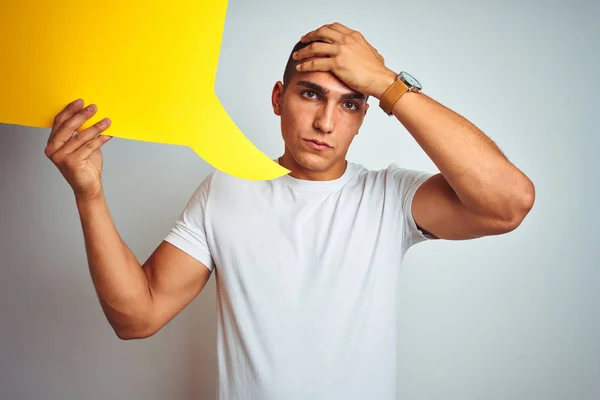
(317, 144)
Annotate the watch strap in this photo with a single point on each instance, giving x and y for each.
(392, 95)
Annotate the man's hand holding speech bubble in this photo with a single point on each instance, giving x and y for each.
(149, 67)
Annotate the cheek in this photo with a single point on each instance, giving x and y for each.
(297, 109)
(349, 126)
(294, 123)
(290, 132)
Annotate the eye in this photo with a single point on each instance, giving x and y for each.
(309, 94)
(351, 105)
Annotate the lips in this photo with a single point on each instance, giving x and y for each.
(319, 143)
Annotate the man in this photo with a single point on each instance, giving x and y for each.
(307, 264)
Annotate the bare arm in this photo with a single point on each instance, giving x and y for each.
(137, 300)
(478, 192)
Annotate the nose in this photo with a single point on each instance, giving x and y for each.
(325, 118)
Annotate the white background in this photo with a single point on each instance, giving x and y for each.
(507, 317)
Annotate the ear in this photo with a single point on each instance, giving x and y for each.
(277, 97)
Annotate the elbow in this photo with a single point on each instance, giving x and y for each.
(133, 321)
(523, 203)
(131, 335)
(133, 331)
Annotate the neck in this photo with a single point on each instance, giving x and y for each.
(298, 171)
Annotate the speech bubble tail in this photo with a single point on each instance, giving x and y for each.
(225, 147)
(259, 168)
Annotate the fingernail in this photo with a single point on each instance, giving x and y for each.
(107, 121)
(78, 102)
(92, 107)
(295, 54)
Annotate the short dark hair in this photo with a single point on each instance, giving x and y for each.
(290, 67)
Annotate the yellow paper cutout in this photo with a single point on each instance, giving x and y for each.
(150, 66)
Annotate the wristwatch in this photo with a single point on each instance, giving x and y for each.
(404, 82)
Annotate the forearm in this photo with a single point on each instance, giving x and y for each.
(481, 176)
(118, 277)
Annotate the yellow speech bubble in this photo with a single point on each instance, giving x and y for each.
(150, 66)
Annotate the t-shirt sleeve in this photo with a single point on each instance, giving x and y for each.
(407, 182)
(189, 233)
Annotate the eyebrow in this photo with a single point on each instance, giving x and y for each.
(320, 89)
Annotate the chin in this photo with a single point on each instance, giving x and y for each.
(312, 162)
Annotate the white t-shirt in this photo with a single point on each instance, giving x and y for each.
(307, 280)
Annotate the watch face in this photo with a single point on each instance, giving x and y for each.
(411, 80)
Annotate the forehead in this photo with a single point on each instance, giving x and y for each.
(325, 79)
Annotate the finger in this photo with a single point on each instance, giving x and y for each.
(323, 33)
(317, 49)
(65, 114)
(79, 139)
(89, 147)
(317, 64)
(65, 131)
(340, 28)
